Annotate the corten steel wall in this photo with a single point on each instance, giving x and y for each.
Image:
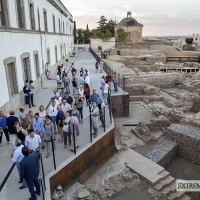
(86, 164)
(120, 105)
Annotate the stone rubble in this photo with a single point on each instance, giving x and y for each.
(58, 194)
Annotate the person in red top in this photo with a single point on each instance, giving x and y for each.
(109, 79)
(87, 93)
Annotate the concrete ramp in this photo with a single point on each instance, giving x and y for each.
(144, 167)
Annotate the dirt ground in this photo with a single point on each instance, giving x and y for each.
(182, 169)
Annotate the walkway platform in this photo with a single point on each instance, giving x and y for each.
(42, 97)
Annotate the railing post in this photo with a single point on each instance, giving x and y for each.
(104, 118)
(54, 161)
(43, 196)
(42, 170)
(90, 123)
(74, 140)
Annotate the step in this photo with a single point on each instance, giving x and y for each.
(169, 179)
(185, 197)
(145, 168)
(165, 191)
(172, 196)
(164, 174)
(172, 186)
(179, 194)
(158, 187)
(162, 182)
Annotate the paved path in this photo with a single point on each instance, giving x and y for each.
(11, 188)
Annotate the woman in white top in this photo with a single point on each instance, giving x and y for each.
(105, 92)
(42, 112)
(81, 91)
(66, 129)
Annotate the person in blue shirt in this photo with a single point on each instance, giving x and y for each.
(94, 97)
(3, 128)
(68, 98)
(38, 127)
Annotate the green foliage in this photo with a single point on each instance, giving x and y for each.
(122, 35)
(102, 24)
(79, 33)
(130, 21)
(86, 36)
(108, 34)
(98, 34)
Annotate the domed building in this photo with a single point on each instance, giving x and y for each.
(131, 27)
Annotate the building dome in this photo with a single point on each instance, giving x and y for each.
(129, 21)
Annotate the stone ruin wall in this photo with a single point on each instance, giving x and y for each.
(188, 142)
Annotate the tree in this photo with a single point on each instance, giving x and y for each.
(122, 35)
(86, 36)
(87, 27)
(108, 33)
(102, 24)
(75, 36)
(98, 34)
(80, 35)
(111, 27)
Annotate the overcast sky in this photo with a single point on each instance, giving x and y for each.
(159, 17)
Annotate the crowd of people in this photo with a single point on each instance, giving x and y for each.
(30, 132)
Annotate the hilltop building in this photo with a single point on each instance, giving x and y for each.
(36, 36)
(131, 27)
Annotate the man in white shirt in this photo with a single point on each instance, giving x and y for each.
(33, 141)
(59, 81)
(57, 100)
(87, 79)
(52, 113)
(16, 158)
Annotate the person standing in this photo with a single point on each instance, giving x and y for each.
(66, 129)
(105, 92)
(21, 133)
(79, 105)
(10, 124)
(38, 127)
(81, 79)
(16, 158)
(61, 94)
(74, 130)
(68, 98)
(65, 106)
(87, 93)
(59, 118)
(101, 66)
(102, 111)
(94, 97)
(115, 81)
(96, 66)
(74, 84)
(30, 87)
(102, 85)
(29, 171)
(3, 128)
(54, 94)
(94, 117)
(52, 113)
(48, 133)
(66, 81)
(30, 119)
(23, 118)
(59, 81)
(109, 79)
(42, 112)
(87, 79)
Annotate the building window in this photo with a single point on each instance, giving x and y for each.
(56, 54)
(36, 61)
(65, 49)
(3, 13)
(45, 21)
(48, 57)
(20, 14)
(32, 16)
(11, 75)
(59, 25)
(54, 25)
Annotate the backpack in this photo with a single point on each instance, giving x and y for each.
(25, 90)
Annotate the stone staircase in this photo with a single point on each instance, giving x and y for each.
(167, 187)
(162, 184)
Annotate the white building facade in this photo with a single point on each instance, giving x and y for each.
(35, 35)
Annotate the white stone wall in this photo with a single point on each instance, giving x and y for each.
(105, 44)
(14, 42)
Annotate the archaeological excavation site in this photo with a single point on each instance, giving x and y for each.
(157, 131)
